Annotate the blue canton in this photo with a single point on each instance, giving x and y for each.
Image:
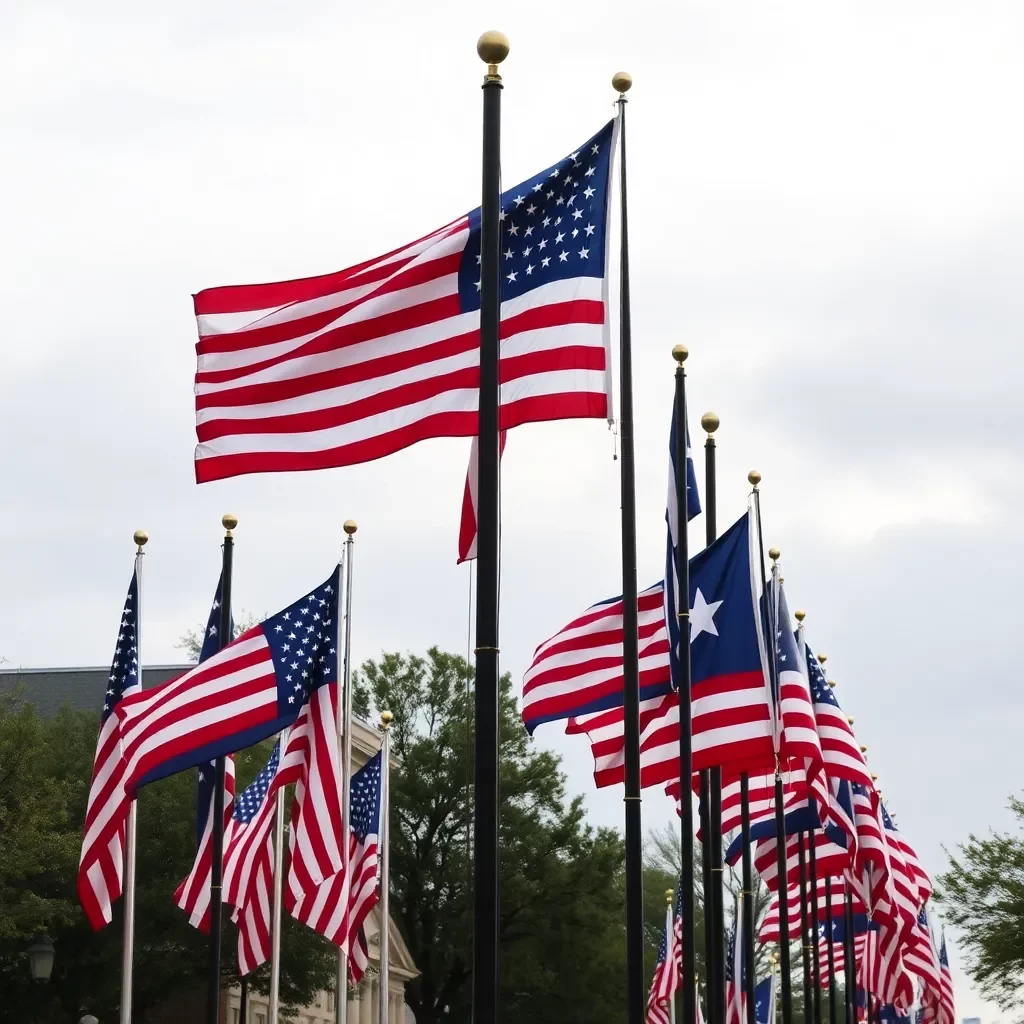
(212, 642)
(663, 947)
(247, 806)
(364, 809)
(124, 669)
(821, 692)
(303, 642)
(553, 225)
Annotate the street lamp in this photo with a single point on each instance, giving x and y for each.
(40, 958)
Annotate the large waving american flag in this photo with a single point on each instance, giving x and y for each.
(352, 366)
(101, 864)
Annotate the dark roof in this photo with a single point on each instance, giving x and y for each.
(83, 688)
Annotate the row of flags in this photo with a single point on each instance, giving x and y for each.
(279, 677)
(761, 707)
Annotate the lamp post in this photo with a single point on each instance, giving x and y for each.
(40, 958)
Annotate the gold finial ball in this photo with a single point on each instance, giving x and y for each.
(832, 683)
(229, 522)
(679, 353)
(386, 718)
(850, 720)
(774, 554)
(349, 526)
(822, 658)
(800, 614)
(669, 893)
(710, 422)
(140, 537)
(622, 81)
(753, 478)
(874, 777)
(863, 749)
(492, 47)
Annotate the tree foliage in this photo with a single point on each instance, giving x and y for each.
(562, 943)
(983, 895)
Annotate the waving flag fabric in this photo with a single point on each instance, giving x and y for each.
(946, 1007)
(352, 366)
(467, 525)
(193, 894)
(666, 977)
(764, 1001)
(920, 956)
(769, 928)
(101, 863)
(578, 671)
(735, 970)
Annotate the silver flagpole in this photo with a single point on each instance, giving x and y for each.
(275, 920)
(384, 839)
(128, 945)
(669, 950)
(345, 741)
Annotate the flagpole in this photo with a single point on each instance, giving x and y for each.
(716, 951)
(830, 950)
(704, 809)
(128, 941)
(229, 522)
(753, 478)
(679, 353)
(621, 82)
(669, 896)
(243, 1000)
(275, 920)
(344, 723)
(815, 942)
(384, 839)
(805, 944)
(850, 952)
(492, 48)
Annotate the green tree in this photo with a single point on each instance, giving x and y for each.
(562, 943)
(46, 767)
(982, 892)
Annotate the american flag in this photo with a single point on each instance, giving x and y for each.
(578, 671)
(735, 970)
(467, 524)
(731, 714)
(667, 972)
(352, 366)
(831, 859)
(324, 910)
(101, 863)
(801, 813)
(843, 756)
(193, 894)
(946, 1016)
(249, 864)
(800, 744)
(920, 956)
(251, 689)
(769, 928)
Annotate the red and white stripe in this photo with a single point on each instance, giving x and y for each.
(800, 744)
(921, 958)
(467, 525)
(193, 894)
(352, 366)
(769, 929)
(946, 1005)
(839, 747)
(581, 665)
(831, 859)
(761, 799)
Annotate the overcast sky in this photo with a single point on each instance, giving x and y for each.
(827, 207)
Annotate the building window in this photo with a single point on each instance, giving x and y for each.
(261, 1018)
(234, 1017)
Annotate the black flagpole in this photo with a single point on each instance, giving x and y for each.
(630, 640)
(831, 953)
(815, 944)
(492, 48)
(716, 951)
(780, 812)
(229, 523)
(705, 870)
(805, 942)
(243, 1001)
(851, 966)
(748, 893)
(679, 352)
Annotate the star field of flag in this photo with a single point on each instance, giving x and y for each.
(364, 810)
(247, 806)
(303, 642)
(212, 642)
(124, 668)
(821, 692)
(553, 225)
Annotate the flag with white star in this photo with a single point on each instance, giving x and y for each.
(123, 678)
